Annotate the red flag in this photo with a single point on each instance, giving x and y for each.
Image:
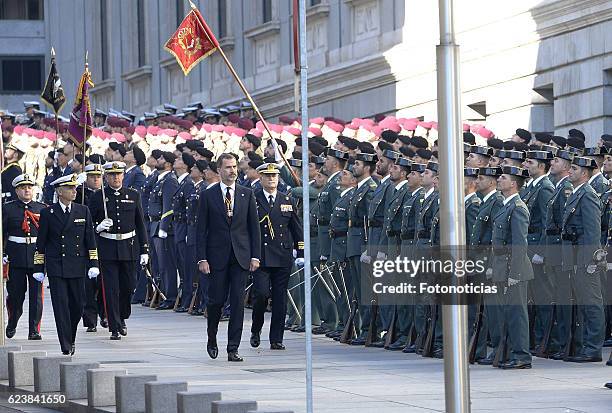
(81, 121)
(192, 41)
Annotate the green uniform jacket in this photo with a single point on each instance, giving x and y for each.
(338, 227)
(327, 199)
(376, 215)
(358, 215)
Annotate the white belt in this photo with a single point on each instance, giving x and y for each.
(22, 240)
(118, 237)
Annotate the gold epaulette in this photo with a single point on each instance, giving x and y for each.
(93, 254)
(39, 259)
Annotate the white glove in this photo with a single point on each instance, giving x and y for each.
(365, 258)
(144, 259)
(537, 259)
(512, 281)
(5, 260)
(163, 234)
(39, 276)
(591, 268)
(104, 225)
(294, 253)
(299, 262)
(381, 256)
(323, 258)
(93, 272)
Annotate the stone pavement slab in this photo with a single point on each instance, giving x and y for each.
(346, 378)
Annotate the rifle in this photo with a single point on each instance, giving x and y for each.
(476, 333)
(500, 352)
(349, 331)
(570, 344)
(179, 293)
(550, 324)
(297, 311)
(420, 338)
(157, 293)
(195, 287)
(531, 311)
(428, 344)
(372, 331)
(392, 331)
(346, 296)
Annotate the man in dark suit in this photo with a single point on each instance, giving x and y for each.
(66, 252)
(228, 247)
(282, 232)
(122, 241)
(20, 228)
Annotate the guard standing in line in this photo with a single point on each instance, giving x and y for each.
(182, 169)
(511, 267)
(281, 230)
(364, 167)
(580, 240)
(20, 228)
(559, 171)
(66, 252)
(94, 301)
(162, 232)
(122, 241)
(12, 154)
(537, 163)
(481, 239)
(598, 181)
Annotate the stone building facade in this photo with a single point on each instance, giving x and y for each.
(545, 65)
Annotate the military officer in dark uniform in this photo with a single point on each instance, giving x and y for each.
(162, 232)
(93, 182)
(281, 230)
(511, 267)
(122, 242)
(580, 240)
(66, 252)
(20, 228)
(182, 169)
(12, 154)
(199, 280)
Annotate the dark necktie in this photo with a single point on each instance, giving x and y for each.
(228, 202)
(271, 201)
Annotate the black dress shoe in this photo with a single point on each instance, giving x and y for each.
(91, 329)
(487, 361)
(608, 342)
(34, 336)
(288, 326)
(104, 323)
(277, 346)
(397, 345)
(165, 306)
(320, 330)
(557, 356)
(255, 339)
(298, 329)
(197, 312)
(515, 365)
(224, 317)
(65, 352)
(409, 349)
(359, 341)
(609, 363)
(180, 310)
(438, 353)
(72, 349)
(115, 336)
(583, 359)
(234, 356)
(212, 349)
(10, 332)
(378, 344)
(608, 385)
(123, 331)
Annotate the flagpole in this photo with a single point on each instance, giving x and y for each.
(54, 111)
(248, 96)
(1, 249)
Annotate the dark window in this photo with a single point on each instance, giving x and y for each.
(180, 11)
(21, 74)
(267, 10)
(21, 9)
(222, 6)
(141, 32)
(315, 2)
(104, 40)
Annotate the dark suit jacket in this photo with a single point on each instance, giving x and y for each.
(66, 245)
(218, 235)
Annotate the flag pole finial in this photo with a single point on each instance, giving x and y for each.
(193, 6)
(52, 51)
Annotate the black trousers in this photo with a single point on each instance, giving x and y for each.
(118, 280)
(94, 303)
(276, 280)
(67, 298)
(20, 280)
(230, 279)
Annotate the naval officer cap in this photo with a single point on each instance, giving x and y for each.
(366, 157)
(93, 169)
(540, 155)
(584, 162)
(595, 151)
(335, 153)
(114, 167)
(432, 166)
(515, 171)
(389, 154)
(481, 150)
(17, 146)
(490, 171)
(23, 179)
(405, 162)
(471, 172)
(68, 180)
(268, 168)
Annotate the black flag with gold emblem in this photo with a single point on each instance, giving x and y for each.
(53, 93)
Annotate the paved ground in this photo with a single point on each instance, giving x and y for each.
(346, 378)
